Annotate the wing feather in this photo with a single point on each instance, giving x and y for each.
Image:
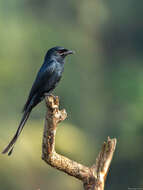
(43, 76)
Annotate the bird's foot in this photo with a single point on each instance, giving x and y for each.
(48, 94)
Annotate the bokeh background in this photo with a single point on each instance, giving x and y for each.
(101, 89)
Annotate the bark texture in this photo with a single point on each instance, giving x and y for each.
(94, 177)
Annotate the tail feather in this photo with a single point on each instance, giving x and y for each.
(14, 139)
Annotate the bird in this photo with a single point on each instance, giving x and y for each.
(46, 81)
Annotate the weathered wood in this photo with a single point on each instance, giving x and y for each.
(94, 177)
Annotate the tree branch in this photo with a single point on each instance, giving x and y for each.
(94, 177)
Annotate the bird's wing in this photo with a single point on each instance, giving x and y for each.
(43, 76)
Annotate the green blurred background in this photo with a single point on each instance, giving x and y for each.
(101, 89)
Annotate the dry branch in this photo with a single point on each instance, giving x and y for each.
(94, 177)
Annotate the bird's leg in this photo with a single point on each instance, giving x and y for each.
(48, 94)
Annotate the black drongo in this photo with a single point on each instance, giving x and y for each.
(47, 79)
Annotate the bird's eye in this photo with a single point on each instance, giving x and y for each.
(62, 51)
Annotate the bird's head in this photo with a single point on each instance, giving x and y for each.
(59, 53)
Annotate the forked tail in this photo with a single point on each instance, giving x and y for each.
(14, 139)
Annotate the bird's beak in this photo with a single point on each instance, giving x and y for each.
(69, 52)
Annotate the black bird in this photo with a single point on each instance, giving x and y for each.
(47, 79)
